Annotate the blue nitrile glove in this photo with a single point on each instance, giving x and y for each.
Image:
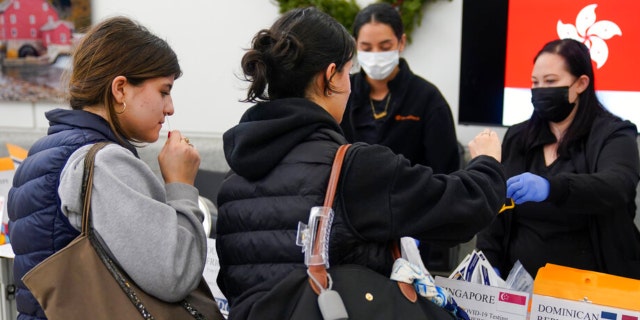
(527, 187)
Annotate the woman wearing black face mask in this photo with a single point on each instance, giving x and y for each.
(573, 169)
(552, 103)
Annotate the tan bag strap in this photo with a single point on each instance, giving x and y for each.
(87, 183)
(335, 175)
(319, 272)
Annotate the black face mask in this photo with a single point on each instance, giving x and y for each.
(551, 104)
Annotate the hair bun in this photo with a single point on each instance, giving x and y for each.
(263, 41)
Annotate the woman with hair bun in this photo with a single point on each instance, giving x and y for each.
(281, 154)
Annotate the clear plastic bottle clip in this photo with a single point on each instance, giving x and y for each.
(314, 237)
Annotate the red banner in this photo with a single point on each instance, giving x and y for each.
(611, 29)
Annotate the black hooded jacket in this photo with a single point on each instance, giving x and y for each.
(281, 154)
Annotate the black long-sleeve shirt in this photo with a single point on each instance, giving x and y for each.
(587, 220)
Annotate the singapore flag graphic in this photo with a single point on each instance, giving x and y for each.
(510, 302)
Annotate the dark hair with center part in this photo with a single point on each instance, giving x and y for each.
(379, 12)
(577, 60)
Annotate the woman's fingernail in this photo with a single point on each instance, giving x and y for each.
(168, 125)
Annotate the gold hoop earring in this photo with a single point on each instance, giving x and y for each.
(123, 108)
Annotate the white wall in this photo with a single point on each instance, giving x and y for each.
(209, 39)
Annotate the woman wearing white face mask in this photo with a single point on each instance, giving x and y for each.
(391, 106)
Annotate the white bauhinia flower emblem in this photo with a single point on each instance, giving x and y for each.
(590, 32)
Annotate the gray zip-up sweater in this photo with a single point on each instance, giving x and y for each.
(154, 231)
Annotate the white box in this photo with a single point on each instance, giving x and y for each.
(211, 269)
(487, 303)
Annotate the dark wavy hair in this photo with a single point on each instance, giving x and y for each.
(578, 62)
(379, 12)
(284, 59)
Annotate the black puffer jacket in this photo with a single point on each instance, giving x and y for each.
(281, 153)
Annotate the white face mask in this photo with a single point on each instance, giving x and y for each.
(378, 65)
